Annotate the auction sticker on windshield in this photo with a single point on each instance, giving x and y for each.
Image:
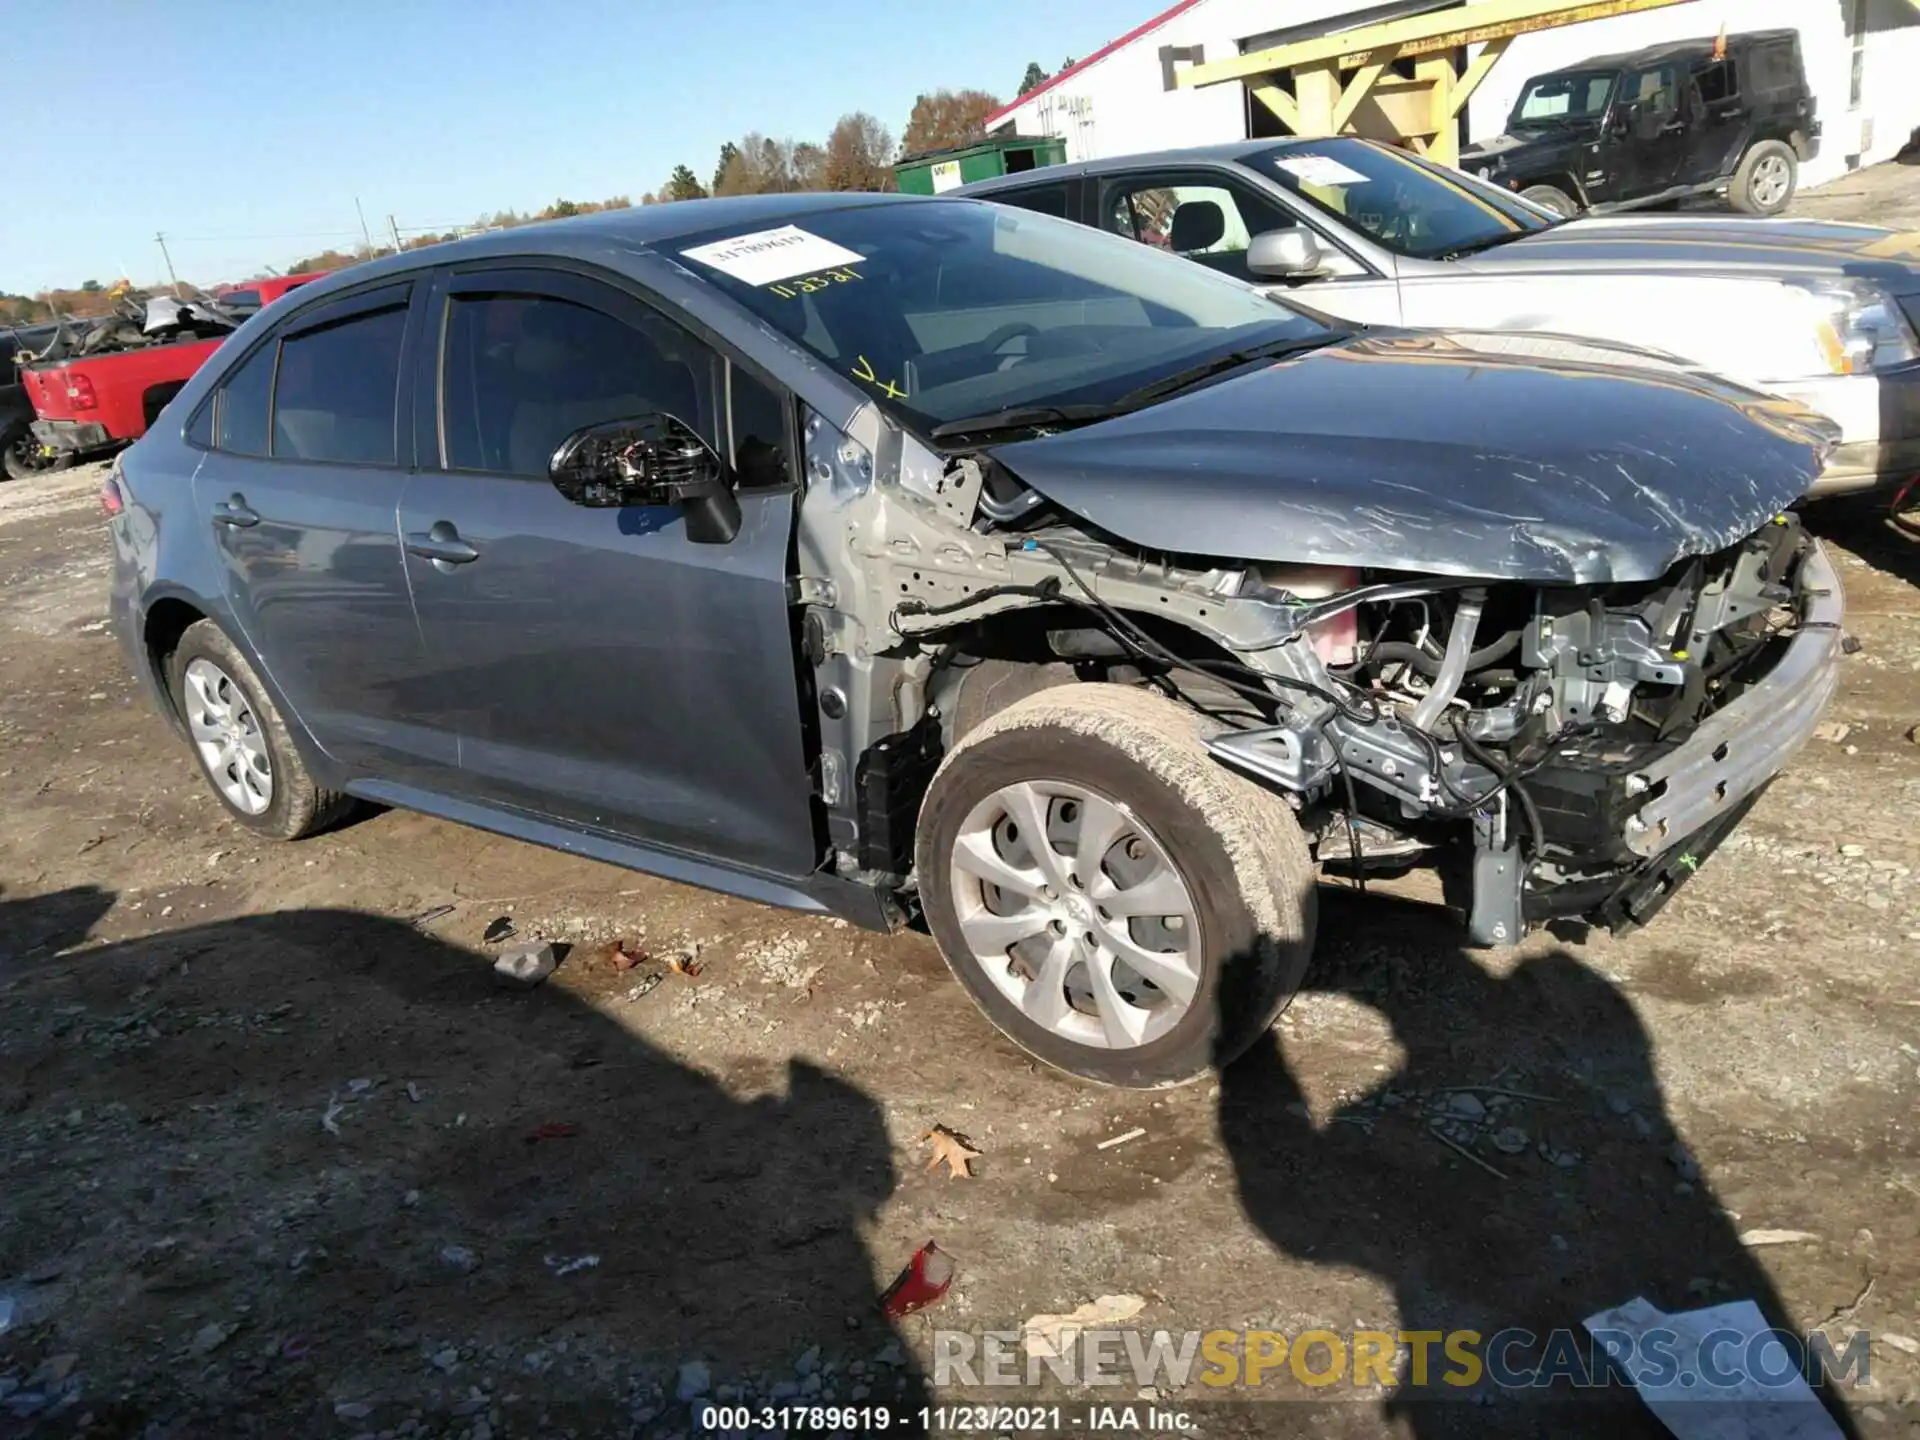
(769, 255)
(1319, 170)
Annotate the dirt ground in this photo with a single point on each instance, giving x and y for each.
(278, 1156)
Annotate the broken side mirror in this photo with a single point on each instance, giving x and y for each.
(1290, 254)
(649, 460)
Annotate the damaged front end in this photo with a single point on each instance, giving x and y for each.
(1556, 750)
(1597, 742)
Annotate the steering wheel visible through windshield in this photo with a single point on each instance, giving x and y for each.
(944, 309)
(1410, 206)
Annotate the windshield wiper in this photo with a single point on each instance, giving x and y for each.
(1019, 417)
(1218, 365)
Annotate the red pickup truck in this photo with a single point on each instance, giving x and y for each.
(96, 401)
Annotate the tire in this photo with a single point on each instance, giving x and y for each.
(1552, 197)
(266, 786)
(23, 458)
(1169, 809)
(1766, 178)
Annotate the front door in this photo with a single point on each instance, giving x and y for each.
(598, 666)
(301, 488)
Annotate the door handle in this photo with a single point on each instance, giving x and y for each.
(235, 512)
(441, 544)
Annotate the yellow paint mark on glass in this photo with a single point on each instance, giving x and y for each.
(810, 284)
(863, 370)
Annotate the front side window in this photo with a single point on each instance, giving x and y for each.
(944, 309)
(335, 396)
(1211, 223)
(522, 372)
(1653, 92)
(240, 411)
(1403, 203)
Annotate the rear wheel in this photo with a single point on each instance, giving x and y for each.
(24, 457)
(1765, 180)
(1115, 901)
(242, 743)
(1552, 197)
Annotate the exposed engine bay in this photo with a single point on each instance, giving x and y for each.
(1559, 750)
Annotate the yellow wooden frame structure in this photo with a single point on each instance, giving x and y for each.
(1344, 83)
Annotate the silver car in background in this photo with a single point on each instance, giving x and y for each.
(1819, 312)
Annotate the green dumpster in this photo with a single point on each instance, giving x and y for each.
(939, 170)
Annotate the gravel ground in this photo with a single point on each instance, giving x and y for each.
(280, 1157)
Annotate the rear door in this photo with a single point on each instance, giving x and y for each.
(599, 667)
(301, 490)
(1717, 122)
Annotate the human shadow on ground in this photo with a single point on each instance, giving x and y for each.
(312, 1170)
(1596, 1200)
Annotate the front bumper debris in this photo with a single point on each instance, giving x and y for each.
(1736, 750)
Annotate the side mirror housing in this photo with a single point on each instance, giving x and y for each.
(1621, 121)
(649, 460)
(1288, 254)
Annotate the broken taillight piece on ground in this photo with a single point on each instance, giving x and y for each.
(925, 1280)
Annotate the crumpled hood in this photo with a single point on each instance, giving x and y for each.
(1726, 245)
(1507, 457)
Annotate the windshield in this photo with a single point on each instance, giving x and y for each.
(1410, 206)
(945, 309)
(1552, 99)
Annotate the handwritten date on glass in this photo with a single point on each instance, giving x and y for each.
(808, 284)
(863, 370)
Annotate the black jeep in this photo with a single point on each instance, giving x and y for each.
(1687, 118)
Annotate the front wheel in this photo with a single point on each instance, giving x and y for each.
(1552, 197)
(1765, 181)
(1116, 902)
(24, 457)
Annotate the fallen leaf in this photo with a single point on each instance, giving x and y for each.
(627, 953)
(552, 1130)
(498, 929)
(1776, 1237)
(684, 964)
(951, 1148)
(1054, 1336)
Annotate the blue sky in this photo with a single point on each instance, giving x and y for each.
(245, 130)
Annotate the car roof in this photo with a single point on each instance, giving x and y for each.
(640, 226)
(1232, 150)
(1670, 50)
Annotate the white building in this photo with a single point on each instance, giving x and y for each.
(1862, 59)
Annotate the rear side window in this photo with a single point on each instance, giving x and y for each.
(1041, 199)
(240, 412)
(335, 396)
(1716, 82)
(523, 372)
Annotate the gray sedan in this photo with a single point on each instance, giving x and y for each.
(892, 557)
(1824, 313)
